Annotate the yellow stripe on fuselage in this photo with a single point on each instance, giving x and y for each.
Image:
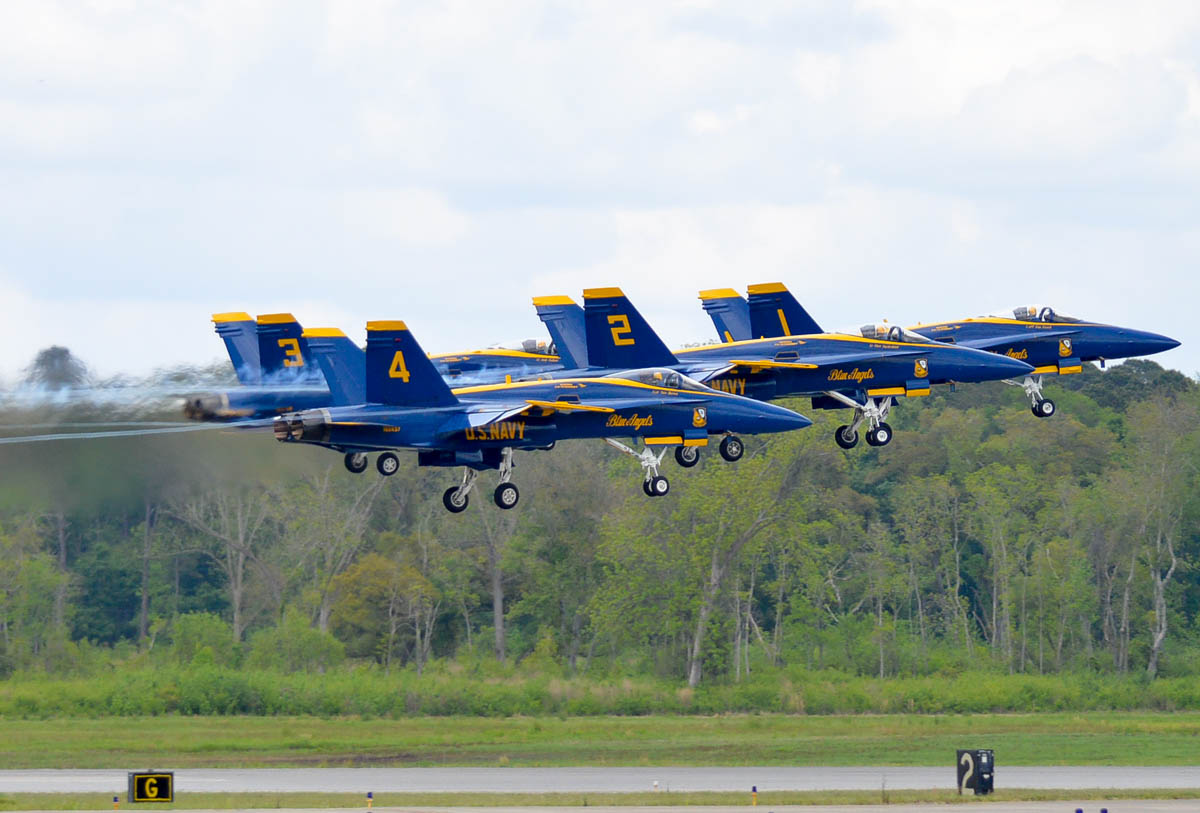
(809, 337)
(515, 354)
(574, 382)
(1000, 320)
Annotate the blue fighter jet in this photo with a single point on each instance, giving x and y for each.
(407, 405)
(532, 357)
(272, 362)
(864, 373)
(1050, 341)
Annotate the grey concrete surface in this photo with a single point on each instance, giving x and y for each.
(612, 780)
(1131, 806)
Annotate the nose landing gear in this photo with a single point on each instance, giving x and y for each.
(653, 483)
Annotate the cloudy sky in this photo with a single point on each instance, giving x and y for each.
(443, 162)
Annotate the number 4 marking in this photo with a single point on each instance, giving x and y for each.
(398, 369)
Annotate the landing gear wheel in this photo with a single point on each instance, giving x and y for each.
(506, 495)
(845, 437)
(687, 456)
(732, 448)
(658, 486)
(646, 488)
(880, 436)
(356, 462)
(1043, 408)
(387, 464)
(455, 504)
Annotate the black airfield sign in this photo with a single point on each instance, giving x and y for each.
(152, 787)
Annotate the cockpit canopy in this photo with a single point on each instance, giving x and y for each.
(660, 377)
(892, 333)
(1038, 313)
(539, 346)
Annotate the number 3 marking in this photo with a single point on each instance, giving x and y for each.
(398, 369)
(291, 353)
(622, 328)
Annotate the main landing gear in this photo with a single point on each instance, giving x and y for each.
(653, 483)
(456, 498)
(731, 449)
(874, 413)
(1040, 407)
(506, 496)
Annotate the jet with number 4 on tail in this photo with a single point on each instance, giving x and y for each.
(1049, 340)
(864, 373)
(408, 405)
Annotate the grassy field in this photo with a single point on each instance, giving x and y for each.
(767, 801)
(1110, 738)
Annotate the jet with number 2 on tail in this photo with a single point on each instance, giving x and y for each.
(864, 373)
(1050, 341)
(409, 406)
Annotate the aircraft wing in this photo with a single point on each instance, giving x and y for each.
(1008, 339)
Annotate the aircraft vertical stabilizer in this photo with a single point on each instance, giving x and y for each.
(618, 336)
(774, 312)
(564, 320)
(237, 330)
(283, 351)
(729, 312)
(398, 372)
(342, 362)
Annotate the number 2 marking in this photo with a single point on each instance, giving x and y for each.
(398, 368)
(291, 353)
(621, 329)
(969, 761)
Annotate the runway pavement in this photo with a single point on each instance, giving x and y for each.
(597, 780)
(1131, 806)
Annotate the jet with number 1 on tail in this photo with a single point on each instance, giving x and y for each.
(1050, 341)
(408, 405)
(864, 373)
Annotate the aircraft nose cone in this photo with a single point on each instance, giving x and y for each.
(1145, 343)
(1009, 367)
(782, 419)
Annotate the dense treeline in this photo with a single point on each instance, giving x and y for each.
(982, 540)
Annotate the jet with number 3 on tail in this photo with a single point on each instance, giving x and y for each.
(271, 359)
(409, 406)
